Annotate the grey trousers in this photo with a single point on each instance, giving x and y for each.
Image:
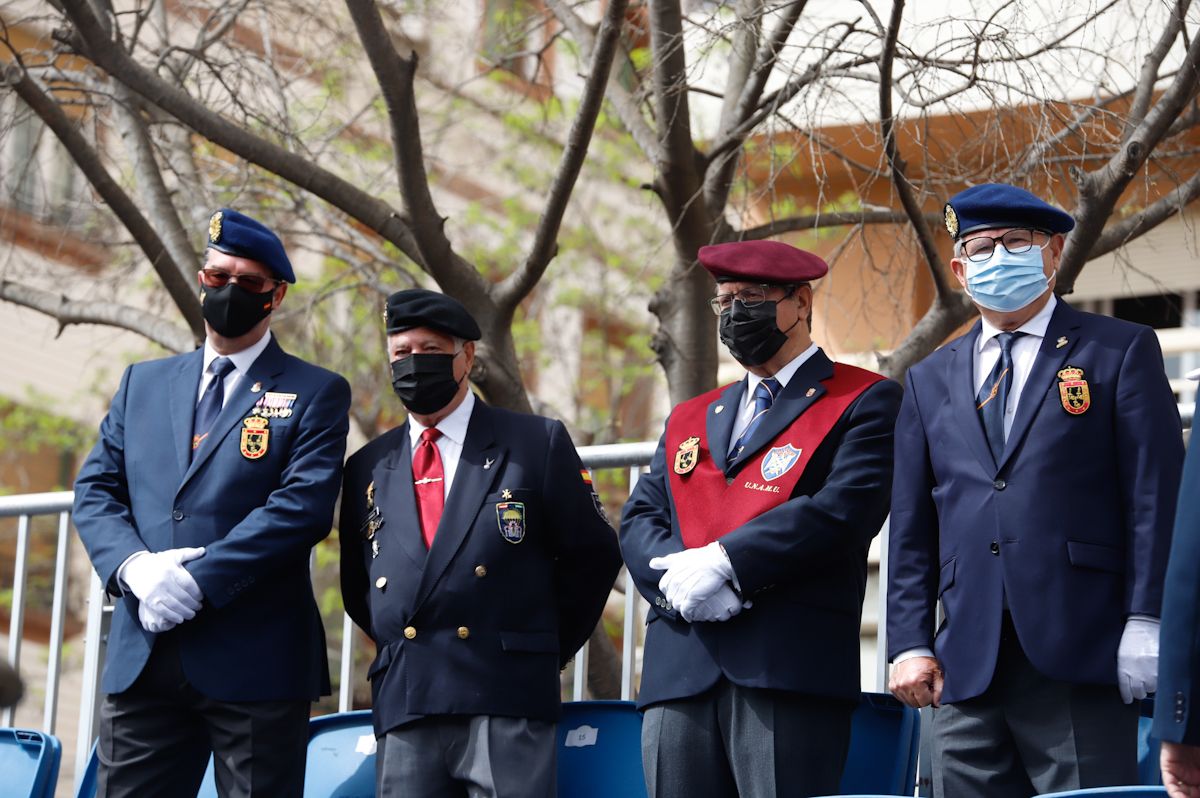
(156, 737)
(479, 756)
(1029, 734)
(747, 742)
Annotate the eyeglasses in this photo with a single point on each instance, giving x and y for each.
(977, 250)
(749, 297)
(254, 283)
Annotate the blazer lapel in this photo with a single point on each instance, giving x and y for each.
(960, 376)
(479, 466)
(802, 390)
(1049, 360)
(182, 390)
(404, 530)
(718, 424)
(264, 371)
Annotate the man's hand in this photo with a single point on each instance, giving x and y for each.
(167, 592)
(693, 575)
(917, 682)
(1137, 659)
(1180, 765)
(720, 606)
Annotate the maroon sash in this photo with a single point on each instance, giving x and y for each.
(708, 504)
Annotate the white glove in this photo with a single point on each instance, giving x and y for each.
(693, 575)
(163, 585)
(153, 622)
(1137, 659)
(720, 606)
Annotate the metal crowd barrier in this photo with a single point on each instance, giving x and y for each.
(634, 456)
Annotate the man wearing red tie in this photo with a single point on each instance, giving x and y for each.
(477, 556)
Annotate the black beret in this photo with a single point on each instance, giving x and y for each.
(995, 205)
(416, 307)
(237, 234)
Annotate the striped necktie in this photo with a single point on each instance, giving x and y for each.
(211, 402)
(764, 397)
(993, 395)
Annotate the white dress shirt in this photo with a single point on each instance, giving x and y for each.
(450, 445)
(746, 412)
(1024, 352)
(242, 361)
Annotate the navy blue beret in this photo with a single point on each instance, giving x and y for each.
(995, 205)
(237, 234)
(416, 307)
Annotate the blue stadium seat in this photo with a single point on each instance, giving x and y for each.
(29, 761)
(1148, 747)
(600, 750)
(335, 767)
(1139, 791)
(884, 738)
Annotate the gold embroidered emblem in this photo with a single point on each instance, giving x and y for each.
(687, 456)
(214, 227)
(1073, 390)
(254, 437)
(951, 221)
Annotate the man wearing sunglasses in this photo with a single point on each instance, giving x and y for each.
(1037, 461)
(215, 473)
(749, 539)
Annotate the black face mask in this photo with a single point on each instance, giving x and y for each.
(425, 383)
(232, 310)
(751, 334)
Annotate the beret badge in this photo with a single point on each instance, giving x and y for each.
(214, 227)
(951, 221)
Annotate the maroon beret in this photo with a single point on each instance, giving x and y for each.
(762, 262)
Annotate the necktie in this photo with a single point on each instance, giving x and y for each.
(211, 402)
(427, 482)
(764, 397)
(993, 395)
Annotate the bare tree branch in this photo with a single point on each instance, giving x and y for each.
(887, 124)
(1151, 64)
(816, 221)
(1132, 227)
(395, 78)
(90, 40)
(628, 107)
(517, 286)
(68, 311)
(181, 290)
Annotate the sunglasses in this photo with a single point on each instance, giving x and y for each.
(254, 283)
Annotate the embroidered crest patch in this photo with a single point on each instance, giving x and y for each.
(779, 461)
(510, 516)
(254, 437)
(1073, 390)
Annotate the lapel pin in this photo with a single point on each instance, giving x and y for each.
(1062, 341)
(808, 394)
(256, 387)
(374, 549)
(488, 463)
(506, 494)
(719, 408)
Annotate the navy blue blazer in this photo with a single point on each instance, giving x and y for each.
(803, 563)
(1179, 636)
(515, 581)
(1072, 525)
(258, 636)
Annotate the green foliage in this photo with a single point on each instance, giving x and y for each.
(29, 428)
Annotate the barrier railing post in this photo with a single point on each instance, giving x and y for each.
(57, 616)
(16, 622)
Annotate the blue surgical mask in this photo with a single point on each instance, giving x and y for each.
(1007, 282)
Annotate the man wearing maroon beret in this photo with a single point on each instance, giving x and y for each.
(749, 538)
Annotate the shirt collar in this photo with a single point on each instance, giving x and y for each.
(1035, 327)
(453, 426)
(243, 360)
(784, 374)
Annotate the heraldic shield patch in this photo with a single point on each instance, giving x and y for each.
(511, 518)
(779, 461)
(254, 437)
(1073, 390)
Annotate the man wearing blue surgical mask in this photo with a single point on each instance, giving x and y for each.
(1036, 461)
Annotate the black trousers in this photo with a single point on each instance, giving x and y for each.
(156, 737)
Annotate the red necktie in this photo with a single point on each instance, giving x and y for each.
(427, 482)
